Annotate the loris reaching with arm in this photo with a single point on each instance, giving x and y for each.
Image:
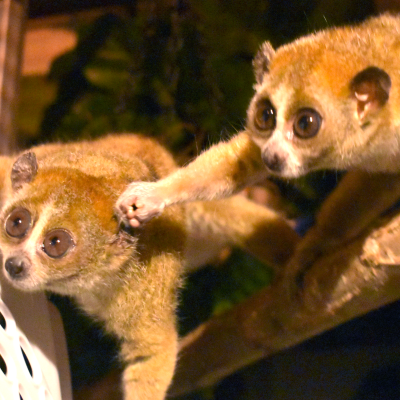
(222, 170)
(58, 232)
(330, 100)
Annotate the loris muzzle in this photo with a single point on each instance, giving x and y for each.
(329, 100)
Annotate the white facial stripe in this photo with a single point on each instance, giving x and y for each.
(296, 157)
(30, 246)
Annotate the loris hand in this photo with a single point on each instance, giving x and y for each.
(139, 204)
(308, 251)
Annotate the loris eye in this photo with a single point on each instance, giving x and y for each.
(18, 223)
(57, 242)
(265, 116)
(307, 123)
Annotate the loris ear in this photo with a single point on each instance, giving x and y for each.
(370, 88)
(262, 60)
(24, 170)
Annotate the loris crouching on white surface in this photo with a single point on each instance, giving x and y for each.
(58, 232)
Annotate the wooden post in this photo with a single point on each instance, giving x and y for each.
(12, 22)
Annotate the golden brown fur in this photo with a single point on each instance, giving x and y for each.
(330, 100)
(129, 283)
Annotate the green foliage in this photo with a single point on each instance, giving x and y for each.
(177, 77)
(214, 289)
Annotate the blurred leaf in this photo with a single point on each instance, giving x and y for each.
(241, 276)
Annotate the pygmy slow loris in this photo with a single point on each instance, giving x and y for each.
(58, 232)
(330, 100)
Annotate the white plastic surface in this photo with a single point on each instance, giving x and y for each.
(33, 354)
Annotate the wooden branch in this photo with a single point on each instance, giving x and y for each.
(361, 277)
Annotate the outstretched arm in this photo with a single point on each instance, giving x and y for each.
(218, 172)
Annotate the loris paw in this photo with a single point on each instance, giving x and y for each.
(139, 204)
(302, 262)
(303, 259)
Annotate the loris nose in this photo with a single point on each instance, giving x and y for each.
(16, 266)
(273, 161)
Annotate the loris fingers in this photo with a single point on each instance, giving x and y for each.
(139, 203)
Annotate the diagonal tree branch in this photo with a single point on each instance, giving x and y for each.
(358, 278)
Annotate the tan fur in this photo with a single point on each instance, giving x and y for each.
(347, 82)
(128, 282)
(316, 72)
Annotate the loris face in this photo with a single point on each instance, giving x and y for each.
(35, 251)
(57, 234)
(323, 102)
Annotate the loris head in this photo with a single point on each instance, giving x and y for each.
(58, 232)
(324, 102)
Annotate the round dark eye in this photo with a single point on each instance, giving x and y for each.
(265, 116)
(57, 243)
(18, 222)
(307, 123)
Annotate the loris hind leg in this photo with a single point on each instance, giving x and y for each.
(359, 198)
(239, 222)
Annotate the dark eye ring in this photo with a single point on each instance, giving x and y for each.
(18, 222)
(307, 123)
(57, 243)
(265, 116)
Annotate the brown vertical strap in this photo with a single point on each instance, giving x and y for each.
(12, 23)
